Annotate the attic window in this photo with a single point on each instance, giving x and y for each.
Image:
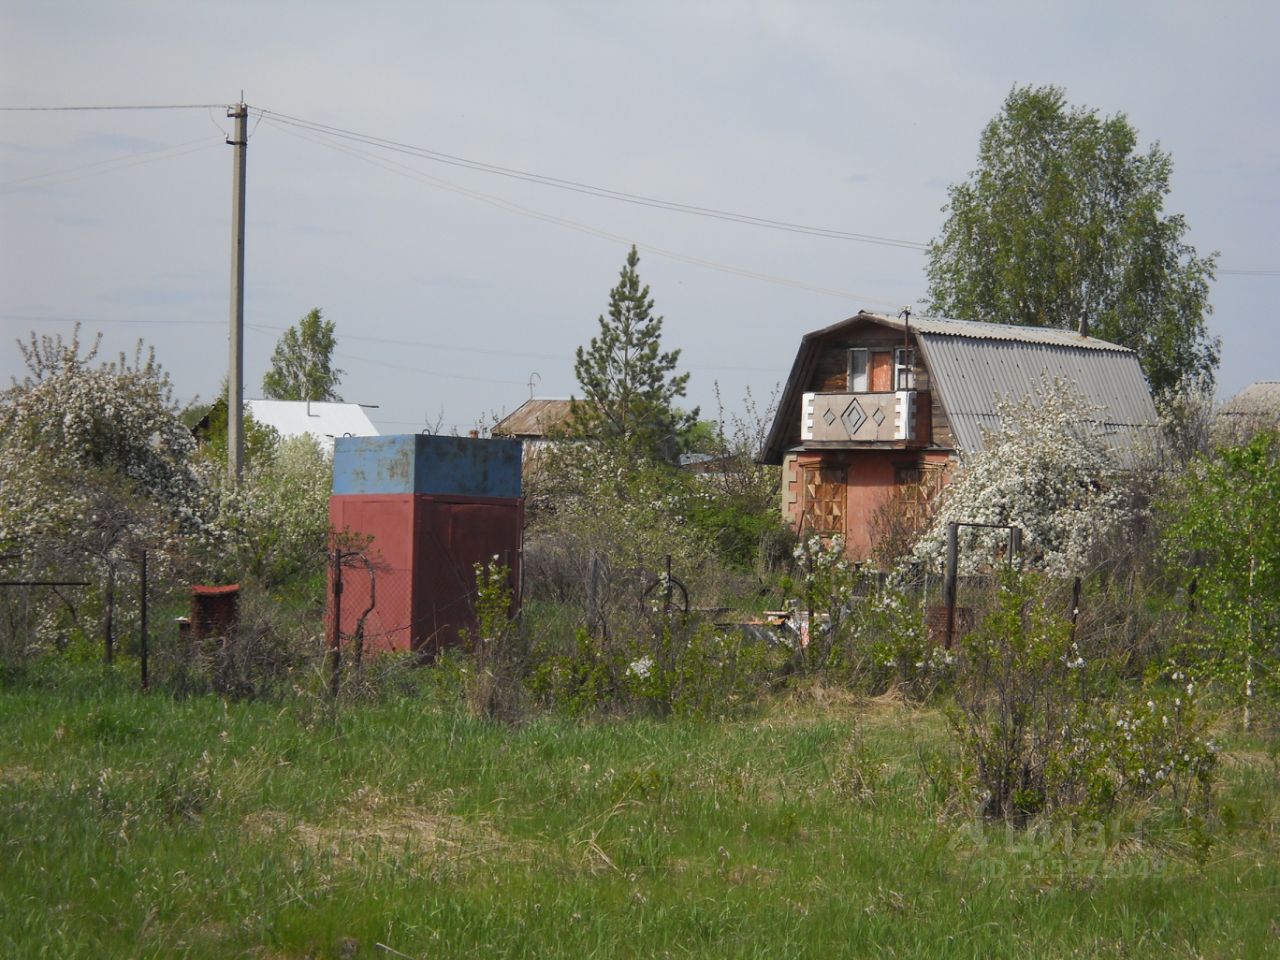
(858, 370)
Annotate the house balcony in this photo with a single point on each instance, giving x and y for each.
(862, 417)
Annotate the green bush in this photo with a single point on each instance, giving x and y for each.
(1043, 729)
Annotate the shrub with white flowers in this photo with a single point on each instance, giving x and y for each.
(278, 516)
(1047, 470)
(95, 465)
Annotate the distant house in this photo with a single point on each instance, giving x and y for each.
(319, 419)
(876, 411)
(538, 422)
(1255, 408)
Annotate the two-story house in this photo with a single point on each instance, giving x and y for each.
(877, 409)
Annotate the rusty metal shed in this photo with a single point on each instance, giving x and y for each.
(423, 511)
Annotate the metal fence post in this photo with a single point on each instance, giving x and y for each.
(949, 588)
(142, 616)
(334, 655)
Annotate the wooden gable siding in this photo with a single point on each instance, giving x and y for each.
(940, 434)
(830, 374)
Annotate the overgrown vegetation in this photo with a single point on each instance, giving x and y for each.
(155, 827)
(688, 707)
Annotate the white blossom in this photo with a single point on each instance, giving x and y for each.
(1047, 470)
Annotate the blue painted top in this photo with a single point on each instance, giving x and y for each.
(418, 463)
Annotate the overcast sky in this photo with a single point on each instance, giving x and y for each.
(451, 288)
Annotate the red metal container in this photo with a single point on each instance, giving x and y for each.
(408, 578)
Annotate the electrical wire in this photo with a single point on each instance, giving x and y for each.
(111, 165)
(610, 194)
(576, 186)
(544, 179)
(131, 106)
(344, 357)
(35, 319)
(503, 204)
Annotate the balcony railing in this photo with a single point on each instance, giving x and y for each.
(859, 417)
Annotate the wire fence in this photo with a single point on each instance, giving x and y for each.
(340, 627)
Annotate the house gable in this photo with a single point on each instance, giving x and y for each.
(858, 359)
(962, 370)
(876, 410)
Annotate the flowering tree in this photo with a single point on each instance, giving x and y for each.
(95, 464)
(1045, 470)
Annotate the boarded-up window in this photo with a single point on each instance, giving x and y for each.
(824, 496)
(881, 371)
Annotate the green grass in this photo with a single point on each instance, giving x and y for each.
(144, 826)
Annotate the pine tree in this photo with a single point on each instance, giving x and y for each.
(628, 382)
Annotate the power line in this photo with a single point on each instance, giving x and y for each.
(576, 186)
(128, 106)
(34, 318)
(610, 194)
(124, 162)
(388, 341)
(431, 373)
(544, 179)
(503, 204)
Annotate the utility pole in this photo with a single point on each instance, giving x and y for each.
(235, 373)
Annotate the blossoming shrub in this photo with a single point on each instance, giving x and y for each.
(95, 466)
(1047, 470)
(1043, 728)
(277, 518)
(683, 668)
(703, 672)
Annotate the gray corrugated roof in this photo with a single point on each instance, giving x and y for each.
(980, 331)
(973, 363)
(971, 372)
(1256, 407)
(1009, 332)
(1261, 399)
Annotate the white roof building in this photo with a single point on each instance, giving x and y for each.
(322, 420)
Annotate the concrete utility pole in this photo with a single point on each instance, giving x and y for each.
(235, 373)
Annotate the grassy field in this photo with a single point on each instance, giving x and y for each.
(144, 826)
